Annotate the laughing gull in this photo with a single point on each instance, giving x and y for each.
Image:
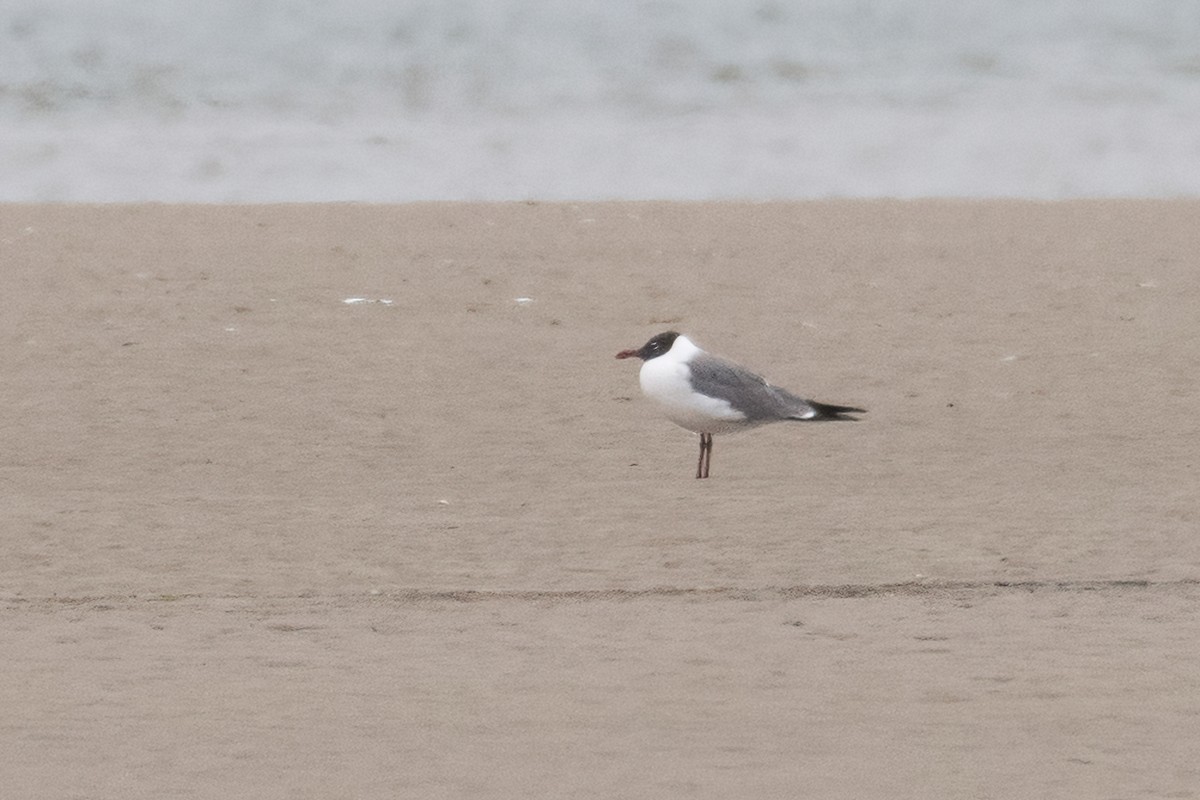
(708, 395)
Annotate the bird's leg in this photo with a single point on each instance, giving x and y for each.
(706, 441)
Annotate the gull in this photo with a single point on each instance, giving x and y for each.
(707, 394)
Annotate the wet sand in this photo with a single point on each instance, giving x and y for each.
(262, 542)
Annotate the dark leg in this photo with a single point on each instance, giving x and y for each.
(706, 442)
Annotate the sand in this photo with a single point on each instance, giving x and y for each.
(262, 542)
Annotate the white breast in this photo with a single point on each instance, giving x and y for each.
(665, 379)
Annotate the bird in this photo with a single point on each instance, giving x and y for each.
(708, 395)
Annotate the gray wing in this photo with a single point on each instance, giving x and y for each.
(745, 391)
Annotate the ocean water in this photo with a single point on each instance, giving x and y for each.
(399, 100)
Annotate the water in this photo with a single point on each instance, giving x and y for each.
(397, 100)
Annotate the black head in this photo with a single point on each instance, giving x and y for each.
(654, 348)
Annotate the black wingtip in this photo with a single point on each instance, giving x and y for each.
(832, 412)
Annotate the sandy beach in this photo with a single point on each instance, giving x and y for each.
(333, 501)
